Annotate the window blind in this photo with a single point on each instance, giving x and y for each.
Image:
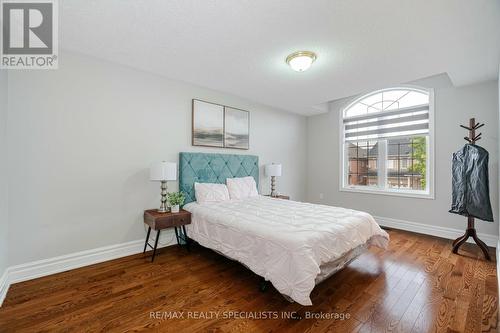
(401, 122)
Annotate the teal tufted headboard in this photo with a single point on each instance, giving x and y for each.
(213, 168)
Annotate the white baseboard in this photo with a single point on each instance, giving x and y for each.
(449, 233)
(4, 285)
(33, 270)
(39, 268)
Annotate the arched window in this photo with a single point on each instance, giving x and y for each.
(387, 141)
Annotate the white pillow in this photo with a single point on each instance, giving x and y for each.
(241, 188)
(208, 192)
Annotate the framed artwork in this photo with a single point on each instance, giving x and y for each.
(216, 125)
(208, 124)
(236, 128)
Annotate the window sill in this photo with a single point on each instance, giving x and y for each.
(373, 190)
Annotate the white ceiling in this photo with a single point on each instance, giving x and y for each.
(239, 46)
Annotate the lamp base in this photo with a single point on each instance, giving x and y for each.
(274, 193)
(163, 207)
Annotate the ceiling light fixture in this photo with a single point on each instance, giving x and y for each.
(301, 60)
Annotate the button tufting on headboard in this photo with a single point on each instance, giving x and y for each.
(213, 168)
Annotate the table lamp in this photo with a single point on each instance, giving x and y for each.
(273, 170)
(163, 172)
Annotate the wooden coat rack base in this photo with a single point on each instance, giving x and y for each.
(471, 230)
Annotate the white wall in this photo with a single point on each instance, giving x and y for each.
(81, 139)
(453, 106)
(3, 173)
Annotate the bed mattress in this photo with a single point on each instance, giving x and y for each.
(286, 242)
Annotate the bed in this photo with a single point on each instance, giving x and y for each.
(293, 245)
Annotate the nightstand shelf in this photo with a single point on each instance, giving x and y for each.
(159, 221)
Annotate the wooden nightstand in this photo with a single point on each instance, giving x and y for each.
(159, 221)
(284, 197)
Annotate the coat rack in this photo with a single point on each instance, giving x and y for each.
(471, 230)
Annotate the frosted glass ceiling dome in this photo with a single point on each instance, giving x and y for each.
(301, 61)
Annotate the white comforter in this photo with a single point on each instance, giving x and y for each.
(284, 241)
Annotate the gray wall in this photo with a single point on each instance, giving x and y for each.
(81, 144)
(453, 106)
(3, 173)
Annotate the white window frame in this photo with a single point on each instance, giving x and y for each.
(381, 189)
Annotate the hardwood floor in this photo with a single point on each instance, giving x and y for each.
(417, 285)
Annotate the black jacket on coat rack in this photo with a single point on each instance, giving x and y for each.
(471, 194)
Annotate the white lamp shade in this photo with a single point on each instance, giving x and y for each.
(273, 170)
(163, 171)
